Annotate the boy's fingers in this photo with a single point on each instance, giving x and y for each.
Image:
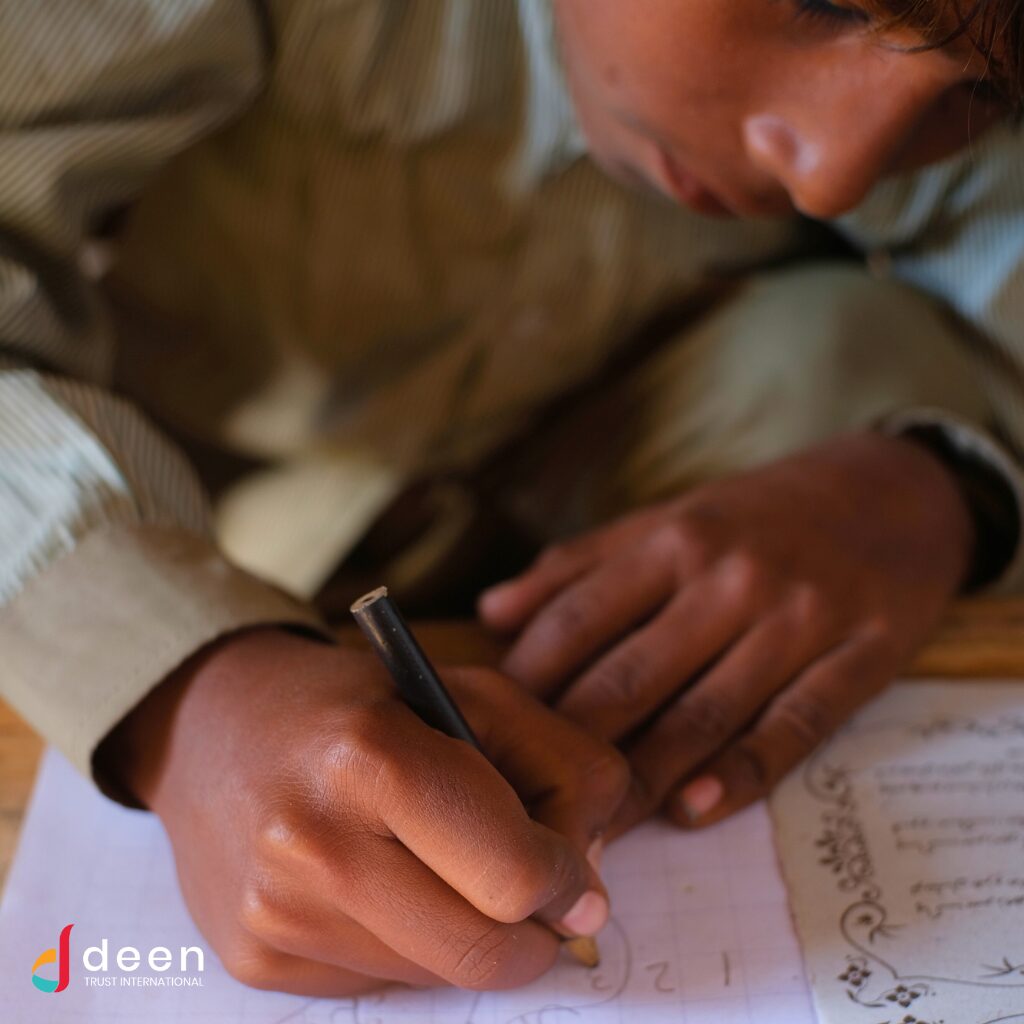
(585, 617)
(638, 675)
(292, 917)
(394, 895)
(569, 780)
(792, 726)
(718, 707)
(453, 810)
(279, 972)
(507, 606)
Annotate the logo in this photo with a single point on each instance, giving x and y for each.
(130, 970)
(49, 956)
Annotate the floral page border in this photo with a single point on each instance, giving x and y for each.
(844, 851)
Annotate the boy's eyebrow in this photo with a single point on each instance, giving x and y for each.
(966, 28)
(938, 21)
(920, 15)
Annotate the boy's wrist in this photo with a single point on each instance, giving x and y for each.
(131, 757)
(989, 501)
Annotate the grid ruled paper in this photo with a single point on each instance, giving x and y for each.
(701, 932)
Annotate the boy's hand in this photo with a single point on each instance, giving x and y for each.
(723, 635)
(328, 841)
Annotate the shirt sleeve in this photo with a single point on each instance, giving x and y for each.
(990, 481)
(956, 230)
(109, 577)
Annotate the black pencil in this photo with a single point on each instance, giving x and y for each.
(418, 682)
(421, 688)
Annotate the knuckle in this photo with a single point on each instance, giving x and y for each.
(279, 837)
(810, 606)
(683, 540)
(363, 724)
(477, 962)
(742, 574)
(880, 632)
(649, 784)
(570, 615)
(604, 776)
(526, 890)
(752, 769)
(528, 880)
(360, 748)
(258, 912)
(645, 791)
(708, 720)
(620, 678)
(249, 964)
(807, 719)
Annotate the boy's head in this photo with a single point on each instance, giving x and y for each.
(757, 107)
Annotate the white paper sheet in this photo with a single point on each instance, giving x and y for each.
(903, 845)
(701, 933)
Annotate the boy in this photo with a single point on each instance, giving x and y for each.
(394, 264)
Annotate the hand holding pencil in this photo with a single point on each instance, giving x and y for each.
(328, 841)
(422, 689)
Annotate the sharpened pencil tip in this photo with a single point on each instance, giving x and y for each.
(583, 950)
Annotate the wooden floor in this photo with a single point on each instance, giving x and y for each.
(980, 638)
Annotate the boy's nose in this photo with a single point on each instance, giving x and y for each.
(829, 153)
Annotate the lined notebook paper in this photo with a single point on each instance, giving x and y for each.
(701, 933)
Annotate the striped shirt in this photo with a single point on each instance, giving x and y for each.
(365, 237)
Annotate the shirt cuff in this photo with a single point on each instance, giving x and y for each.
(88, 637)
(973, 443)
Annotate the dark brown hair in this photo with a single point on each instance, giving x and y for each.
(994, 27)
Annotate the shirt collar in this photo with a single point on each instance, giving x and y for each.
(553, 137)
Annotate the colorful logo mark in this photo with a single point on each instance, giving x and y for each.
(49, 956)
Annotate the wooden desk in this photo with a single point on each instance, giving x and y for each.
(19, 754)
(979, 638)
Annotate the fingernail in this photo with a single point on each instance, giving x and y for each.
(588, 915)
(701, 797)
(594, 852)
(492, 598)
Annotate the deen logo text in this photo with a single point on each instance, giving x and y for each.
(96, 961)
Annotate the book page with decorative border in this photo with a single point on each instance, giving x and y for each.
(902, 843)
